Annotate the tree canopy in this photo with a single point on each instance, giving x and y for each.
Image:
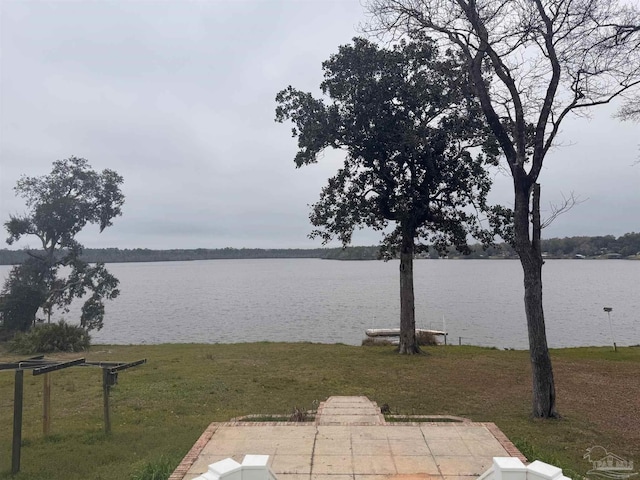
(60, 205)
(544, 59)
(415, 146)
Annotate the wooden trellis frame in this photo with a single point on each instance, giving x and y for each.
(40, 366)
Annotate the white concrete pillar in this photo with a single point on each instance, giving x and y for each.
(509, 468)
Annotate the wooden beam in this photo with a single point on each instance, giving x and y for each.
(46, 404)
(57, 366)
(18, 393)
(105, 399)
(124, 366)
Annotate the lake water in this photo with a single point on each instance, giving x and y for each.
(481, 301)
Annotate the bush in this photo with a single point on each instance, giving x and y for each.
(51, 337)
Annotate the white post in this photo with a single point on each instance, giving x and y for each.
(609, 310)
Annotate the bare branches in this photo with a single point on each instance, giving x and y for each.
(547, 58)
(630, 110)
(559, 209)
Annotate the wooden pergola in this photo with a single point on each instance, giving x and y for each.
(41, 366)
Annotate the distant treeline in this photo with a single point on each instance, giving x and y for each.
(117, 255)
(627, 245)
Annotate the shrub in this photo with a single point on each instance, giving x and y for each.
(51, 337)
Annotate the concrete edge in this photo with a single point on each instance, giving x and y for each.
(437, 418)
(320, 410)
(381, 418)
(248, 418)
(379, 415)
(189, 459)
(507, 444)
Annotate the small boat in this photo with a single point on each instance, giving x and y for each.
(395, 332)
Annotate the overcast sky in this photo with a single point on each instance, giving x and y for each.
(178, 98)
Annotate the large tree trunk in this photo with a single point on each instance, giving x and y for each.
(544, 395)
(408, 344)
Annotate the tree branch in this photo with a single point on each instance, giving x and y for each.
(556, 210)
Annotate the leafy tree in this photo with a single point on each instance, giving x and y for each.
(407, 123)
(545, 59)
(60, 205)
(629, 244)
(22, 296)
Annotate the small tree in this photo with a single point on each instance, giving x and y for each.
(408, 125)
(22, 296)
(60, 205)
(545, 59)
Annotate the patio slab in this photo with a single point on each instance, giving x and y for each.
(351, 440)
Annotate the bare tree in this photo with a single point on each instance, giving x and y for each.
(545, 59)
(630, 110)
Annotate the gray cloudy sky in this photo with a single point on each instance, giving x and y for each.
(178, 97)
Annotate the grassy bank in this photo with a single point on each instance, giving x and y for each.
(160, 409)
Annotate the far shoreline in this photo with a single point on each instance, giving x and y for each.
(357, 253)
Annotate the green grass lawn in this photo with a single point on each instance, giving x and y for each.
(158, 410)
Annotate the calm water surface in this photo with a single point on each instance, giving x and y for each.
(230, 301)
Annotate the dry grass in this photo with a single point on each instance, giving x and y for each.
(160, 409)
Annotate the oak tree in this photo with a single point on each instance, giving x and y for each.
(415, 146)
(60, 205)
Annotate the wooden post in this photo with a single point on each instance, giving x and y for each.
(105, 398)
(46, 404)
(17, 421)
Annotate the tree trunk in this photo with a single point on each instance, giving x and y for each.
(408, 344)
(544, 395)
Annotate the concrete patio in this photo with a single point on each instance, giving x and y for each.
(350, 440)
